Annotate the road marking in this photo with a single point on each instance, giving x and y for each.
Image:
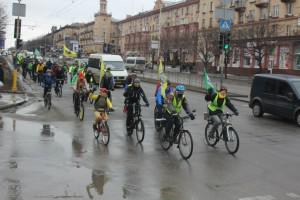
(293, 195)
(267, 197)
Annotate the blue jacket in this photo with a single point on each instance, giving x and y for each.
(159, 98)
(48, 80)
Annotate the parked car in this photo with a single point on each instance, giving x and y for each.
(276, 94)
(114, 62)
(136, 64)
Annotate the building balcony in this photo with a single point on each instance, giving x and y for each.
(288, 1)
(239, 5)
(262, 3)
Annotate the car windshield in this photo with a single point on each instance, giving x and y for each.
(115, 65)
(129, 61)
(297, 86)
(141, 62)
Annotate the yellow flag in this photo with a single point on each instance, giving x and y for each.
(160, 68)
(102, 70)
(69, 53)
(164, 86)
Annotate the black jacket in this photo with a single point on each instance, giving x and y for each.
(133, 95)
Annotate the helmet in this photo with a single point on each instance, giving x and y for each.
(108, 69)
(180, 88)
(223, 88)
(103, 90)
(136, 82)
(81, 76)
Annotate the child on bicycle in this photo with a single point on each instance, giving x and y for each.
(102, 105)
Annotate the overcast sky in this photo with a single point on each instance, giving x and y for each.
(41, 15)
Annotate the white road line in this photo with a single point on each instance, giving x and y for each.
(293, 195)
(267, 197)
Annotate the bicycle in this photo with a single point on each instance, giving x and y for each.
(157, 123)
(137, 123)
(58, 88)
(47, 99)
(102, 129)
(78, 104)
(183, 138)
(228, 133)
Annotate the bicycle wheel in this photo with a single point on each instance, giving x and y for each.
(49, 101)
(60, 91)
(105, 133)
(156, 123)
(81, 112)
(97, 131)
(233, 142)
(211, 140)
(165, 141)
(185, 144)
(140, 131)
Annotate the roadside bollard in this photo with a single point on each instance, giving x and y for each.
(14, 80)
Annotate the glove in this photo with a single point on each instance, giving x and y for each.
(236, 113)
(147, 104)
(192, 116)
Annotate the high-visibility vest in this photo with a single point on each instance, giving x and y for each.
(213, 106)
(175, 106)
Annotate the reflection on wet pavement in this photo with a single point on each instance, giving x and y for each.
(98, 181)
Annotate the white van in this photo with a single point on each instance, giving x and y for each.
(136, 64)
(114, 62)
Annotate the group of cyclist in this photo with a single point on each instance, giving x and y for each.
(169, 100)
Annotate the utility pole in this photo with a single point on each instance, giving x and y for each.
(159, 31)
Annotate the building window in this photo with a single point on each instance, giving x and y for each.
(211, 6)
(241, 17)
(288, 30)
(274, 28)
(198, 7)
(264, 13)
(251, 15)
(289, 7)
(297, 58)
(210, 22)
(187, 10)
(203, 23)
(275, 11)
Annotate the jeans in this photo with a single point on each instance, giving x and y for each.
(216, 122)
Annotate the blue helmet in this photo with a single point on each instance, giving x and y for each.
(180, 89)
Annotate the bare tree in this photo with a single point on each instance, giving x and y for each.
(208, 46)
(3, 20)
(255, 40)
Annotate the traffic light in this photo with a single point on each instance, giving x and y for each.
(19, 43)
(221, 41)
(17, 31)
(227, 41)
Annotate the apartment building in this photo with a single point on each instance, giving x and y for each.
(281, 19)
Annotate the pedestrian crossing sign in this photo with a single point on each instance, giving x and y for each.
(225, 25)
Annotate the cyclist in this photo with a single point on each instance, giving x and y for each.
(129, 80)
(80, 86)
(102, 105)
(40, 71)
(90, 78)
(132, 96)
(160, 98)
(60, 76)
(216, 108)
(48, 81)
(175, 103)
(107, 82)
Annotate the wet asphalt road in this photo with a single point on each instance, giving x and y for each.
(69, 164)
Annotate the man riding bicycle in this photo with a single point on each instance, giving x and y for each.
(132, 96)
(216, 108)
(60, 76)
(102, 105)
(107, 82)
(48, 81)
(175, 103)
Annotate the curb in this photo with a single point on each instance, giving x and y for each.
(14, 104)
(198, 89)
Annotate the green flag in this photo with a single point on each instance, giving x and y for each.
(207, 84)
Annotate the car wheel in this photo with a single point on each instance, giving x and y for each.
(298, 118)
(257, 110)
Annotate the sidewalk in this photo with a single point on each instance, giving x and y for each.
(9, 100)
(239, 89)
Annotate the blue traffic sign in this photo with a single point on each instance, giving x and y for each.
(225, 25)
